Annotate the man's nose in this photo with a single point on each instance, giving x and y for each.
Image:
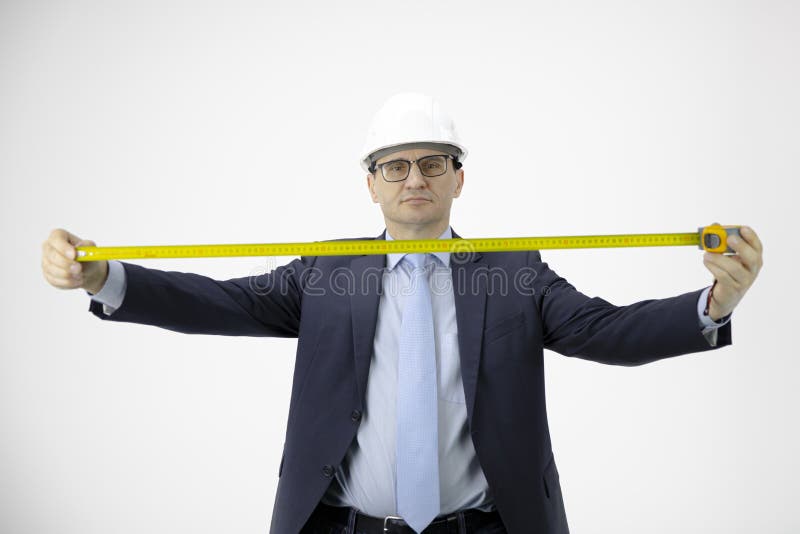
(415, 178)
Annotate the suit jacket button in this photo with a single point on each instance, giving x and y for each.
(327, 471)
(355, 415)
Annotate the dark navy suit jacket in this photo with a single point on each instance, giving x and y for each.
(330, 304)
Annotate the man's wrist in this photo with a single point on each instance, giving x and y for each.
(712, 308)
(714, 313)
(96, 283)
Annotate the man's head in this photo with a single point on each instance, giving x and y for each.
(416, 191)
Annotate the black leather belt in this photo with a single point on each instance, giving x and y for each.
(394, 525)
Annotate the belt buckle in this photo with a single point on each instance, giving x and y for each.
(387, 518)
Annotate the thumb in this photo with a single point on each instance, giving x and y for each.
(72, 240)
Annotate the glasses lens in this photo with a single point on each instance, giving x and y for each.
(433, 165)
(395, 171)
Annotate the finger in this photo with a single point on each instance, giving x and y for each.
(748, 255)
(64, 235)
(61, 253)
(722, 277)
(752, 238)
(720, 273)
(64, 242)
(57, 272)
(54, 260)
(733, 266)
(63, 247)
(55, 257)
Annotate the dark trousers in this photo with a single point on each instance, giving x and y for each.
(319, 524)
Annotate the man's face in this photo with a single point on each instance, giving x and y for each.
(418, 201)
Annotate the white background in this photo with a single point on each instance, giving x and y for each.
(149, 123)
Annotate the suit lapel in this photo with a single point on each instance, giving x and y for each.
(367, 272)
(470, 301)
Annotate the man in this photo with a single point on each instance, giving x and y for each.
(418, 393)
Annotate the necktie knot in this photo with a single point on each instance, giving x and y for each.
(417, 261)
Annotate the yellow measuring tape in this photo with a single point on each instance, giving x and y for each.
(711, 238)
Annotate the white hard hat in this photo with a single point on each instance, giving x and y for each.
(410, 119)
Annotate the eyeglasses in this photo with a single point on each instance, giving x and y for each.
(397, 170)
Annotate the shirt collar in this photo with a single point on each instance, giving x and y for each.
(393, 258)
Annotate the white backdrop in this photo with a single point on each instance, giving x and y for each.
(157, 122)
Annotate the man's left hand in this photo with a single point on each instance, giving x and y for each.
(734, 274)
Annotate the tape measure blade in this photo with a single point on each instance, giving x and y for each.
(379, 246)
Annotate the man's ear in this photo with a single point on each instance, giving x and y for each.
(371, 187)
(459, 183)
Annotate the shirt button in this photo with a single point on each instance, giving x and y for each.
(355, 415)
(327, 471)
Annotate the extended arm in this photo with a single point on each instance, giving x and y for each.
(594, 329)
(264, 305)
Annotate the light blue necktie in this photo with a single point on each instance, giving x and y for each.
(417, 407)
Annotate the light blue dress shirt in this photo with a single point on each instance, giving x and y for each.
(366, 478)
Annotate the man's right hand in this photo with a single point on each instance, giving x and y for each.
(62, 271)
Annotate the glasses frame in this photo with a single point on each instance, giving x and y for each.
(412, 162)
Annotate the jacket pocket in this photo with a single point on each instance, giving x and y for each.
(550, 479)
(554, 509)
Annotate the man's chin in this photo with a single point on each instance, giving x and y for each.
(411, 220)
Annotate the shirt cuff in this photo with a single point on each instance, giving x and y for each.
(707, 324)
(113, 291)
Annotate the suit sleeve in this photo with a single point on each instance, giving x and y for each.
(263, 305)
(591, 328)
